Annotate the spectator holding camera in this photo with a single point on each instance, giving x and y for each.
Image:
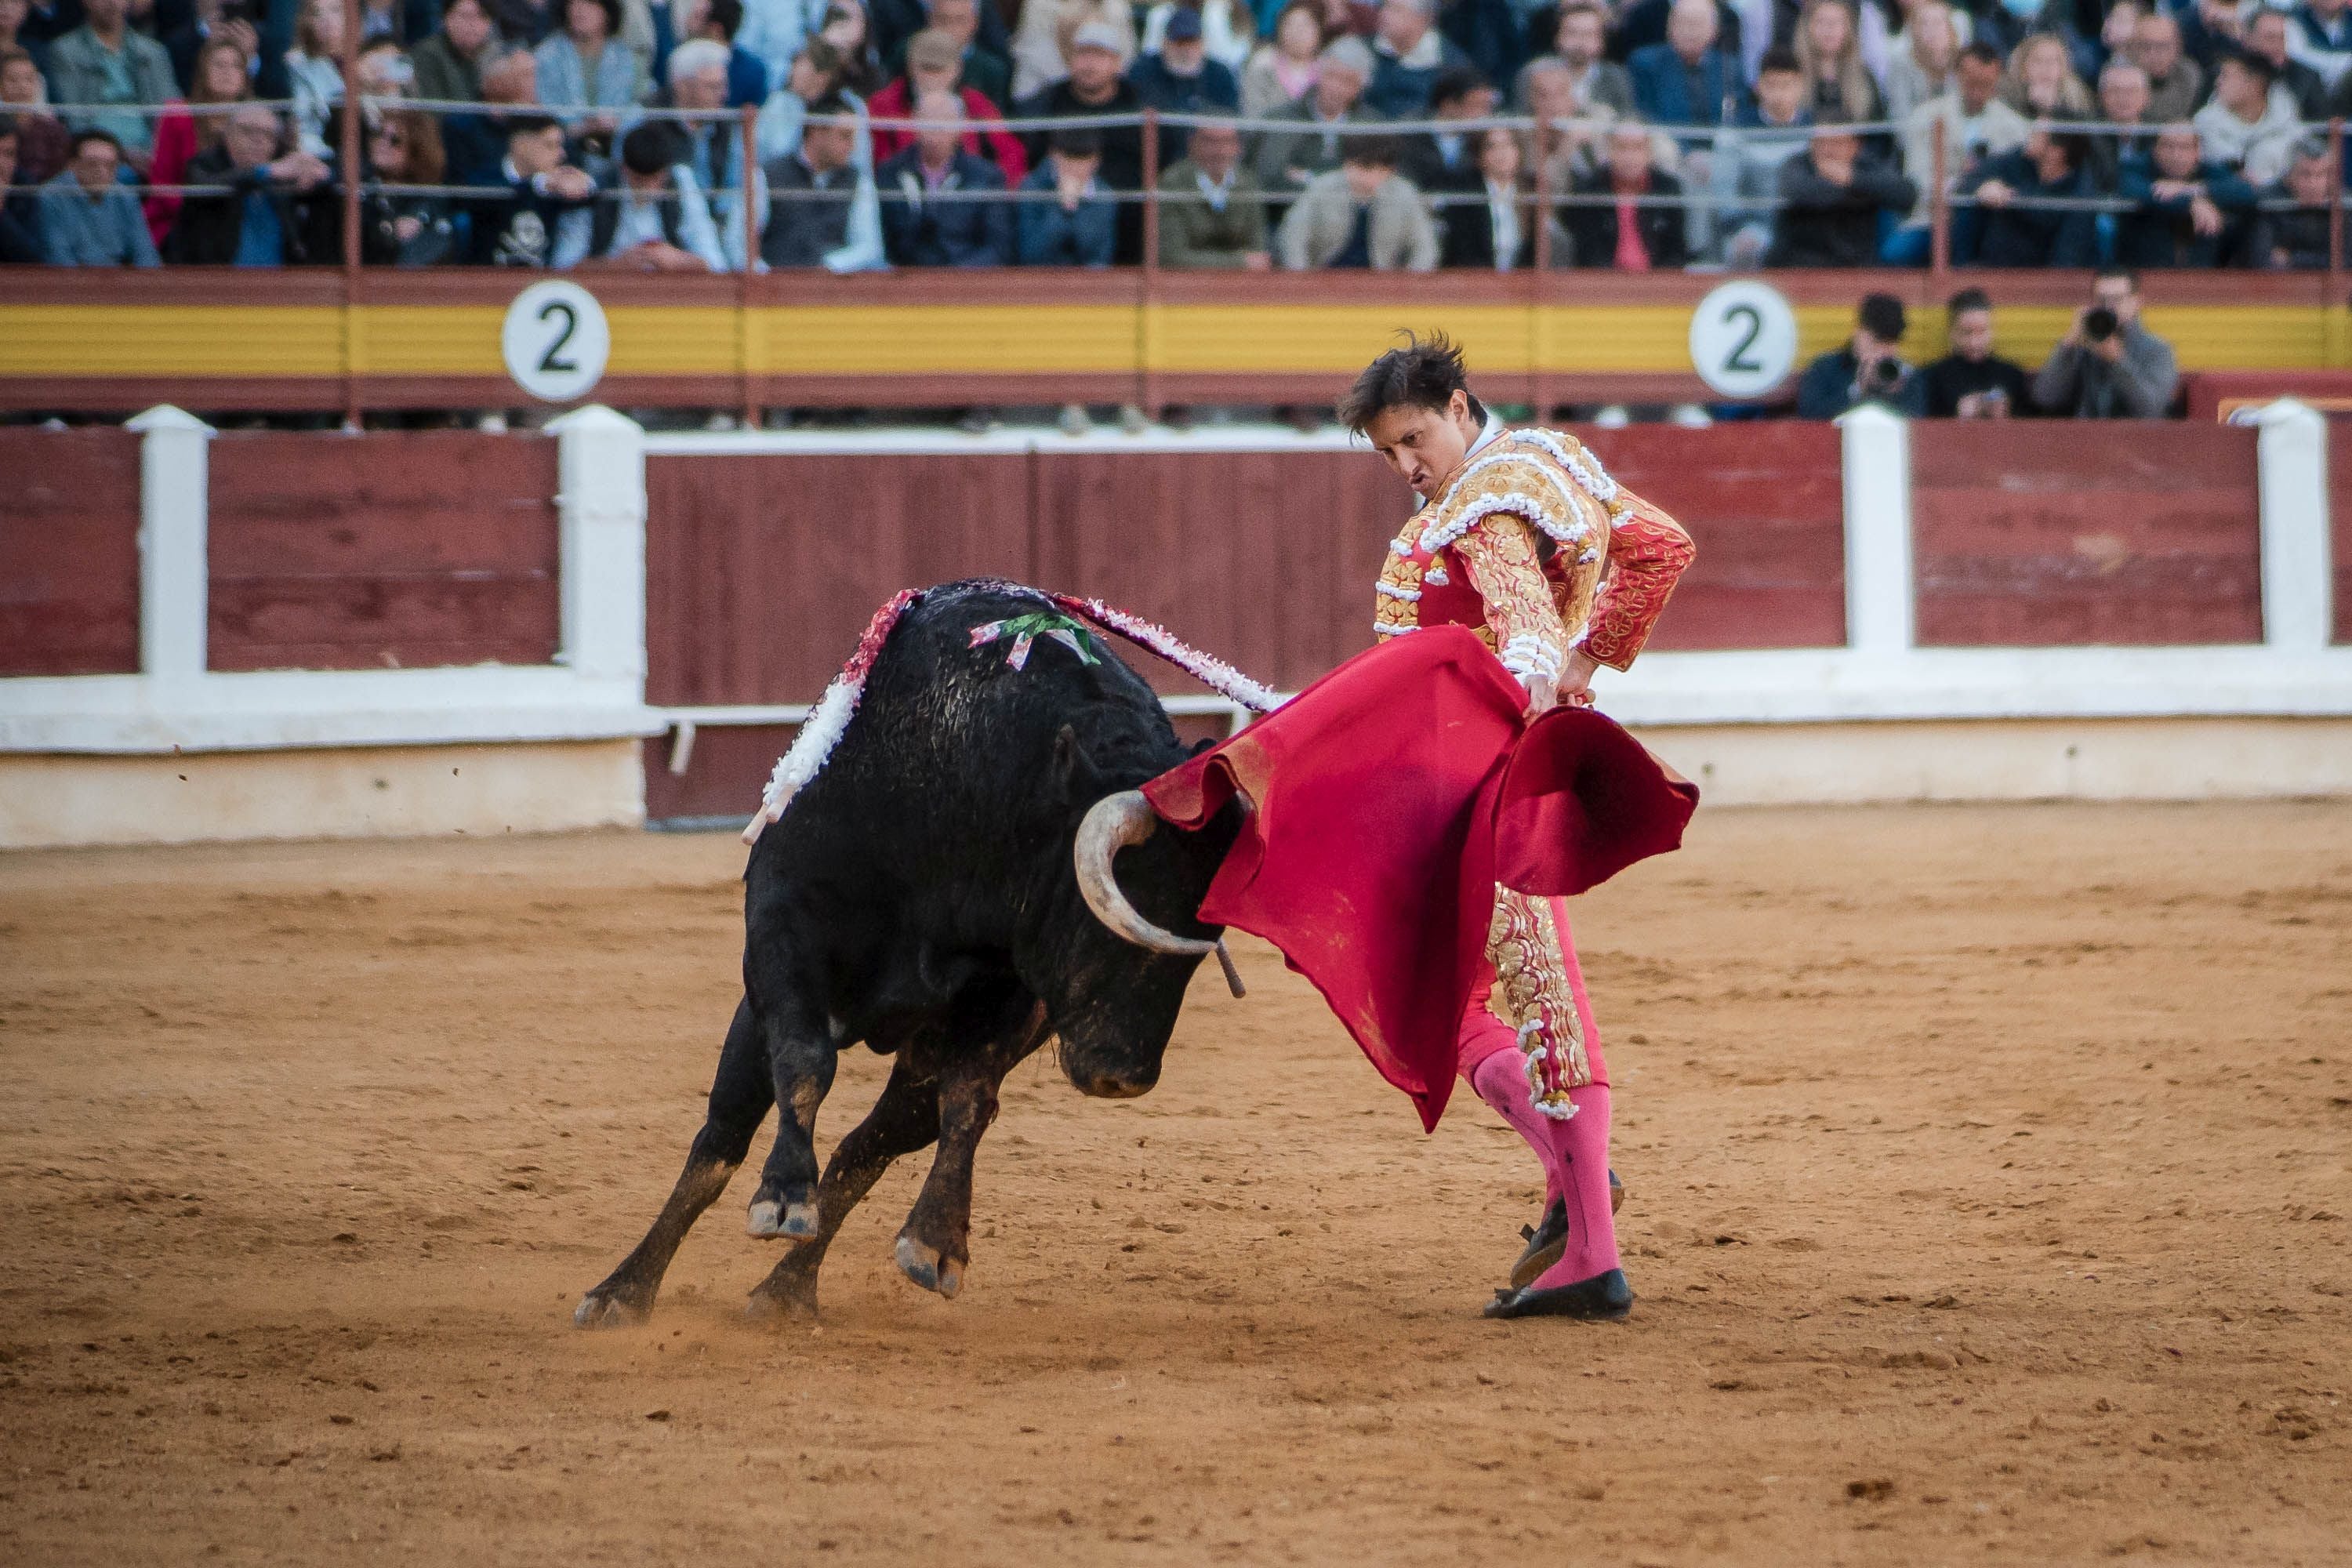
(2009, 228)
(1972, 381)
(280, 208)
(2190, 212)
(2108, 366)
(1869, 369)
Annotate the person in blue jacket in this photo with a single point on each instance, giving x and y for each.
(1079, 226)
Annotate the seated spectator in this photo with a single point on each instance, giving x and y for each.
(477, 143)
(448, 65)
(2123, 101)
(588, 76)
(2175, 84)
(2108, 366)
(1283, 69)
(2190, 212)
(720, 22)
(1361, 215)
(713, 148)
(1286, 159)
(1440, 161)
(42, 147)
(815, 72)
(1211, 213)
(2320, 35)
(656, 220)
(1976, 123)
(810, 191)
(1925, 60)
(222, 78)
(384, 71)
(314, 74)
(983, 69)
(923, 223)
(1041, 48)
(1748, 158)
(1094, 87)
(104, 61)
(13, 34)
(1182, 79)
(280, 208)
(1228, 30)
(1409, 52)
(2041, 83)
(1972, 382)
(1828, 47)
(523, 24)
(2250, 123)
(1080, 228)
(1599, 87)
(88, 218)
(1495, 232)
(1566, 144)
(2010, 230)
(386, 22)
(934, 65)
(1628, 214)
(1832, 199)
(402, 228)
(20, 207)
(846, 29)
(2296, 237)
(2266, 35)
(1687, 79)
(1869, 369)
(539, 216)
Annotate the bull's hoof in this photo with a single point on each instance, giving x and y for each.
(770, 1303)
(926, 1267)
(612, 1307)
(768, 1218)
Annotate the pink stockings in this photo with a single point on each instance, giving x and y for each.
(1575, 1158)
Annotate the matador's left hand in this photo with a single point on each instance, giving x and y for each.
(1576, 680)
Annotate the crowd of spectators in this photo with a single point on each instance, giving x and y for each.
(557, 134)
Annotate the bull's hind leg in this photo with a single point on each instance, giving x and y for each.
(801, 1054)
(740, 1097)
(905, 1118)
(935, 1243)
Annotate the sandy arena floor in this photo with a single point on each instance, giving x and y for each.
(1990, 1196)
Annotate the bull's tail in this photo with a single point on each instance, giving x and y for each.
(826, 722)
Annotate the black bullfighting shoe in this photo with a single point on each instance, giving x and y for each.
(1548, 1239)
(1604, 1298)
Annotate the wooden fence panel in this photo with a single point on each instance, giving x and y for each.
(400, 548)
(1766, 505)
(2046, 533)
(68, 553)
(760, 571)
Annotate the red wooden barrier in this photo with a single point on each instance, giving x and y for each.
(68, 553)
(2339, 504)
(2041, 534)
(1766, 505)
(404, 549)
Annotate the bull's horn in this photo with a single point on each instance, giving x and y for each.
(1113, 824)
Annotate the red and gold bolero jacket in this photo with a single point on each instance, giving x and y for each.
(1539, 551)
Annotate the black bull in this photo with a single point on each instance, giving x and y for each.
(920, 896)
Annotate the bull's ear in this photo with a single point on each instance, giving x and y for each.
(1073, 770)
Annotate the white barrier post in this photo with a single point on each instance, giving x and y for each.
(601, 510)
(174, 513)
(1875, 453)
(2291, 458)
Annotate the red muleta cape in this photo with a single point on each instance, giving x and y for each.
(1386, 801)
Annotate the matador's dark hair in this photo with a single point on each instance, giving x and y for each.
(1423, 373)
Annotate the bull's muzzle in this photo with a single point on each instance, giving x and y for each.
(1112, 824)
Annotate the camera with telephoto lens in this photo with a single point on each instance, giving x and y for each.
(1886, 375)
(2099, 324)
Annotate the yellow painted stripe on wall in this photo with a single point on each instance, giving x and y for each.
(171, 339)
(884, 339)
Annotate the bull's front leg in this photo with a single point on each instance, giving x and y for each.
(801, 1054)
(935, 1243)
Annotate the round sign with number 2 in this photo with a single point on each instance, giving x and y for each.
(1743, 338)
(556, 340)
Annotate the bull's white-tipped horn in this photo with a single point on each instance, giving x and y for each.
(1112, 824)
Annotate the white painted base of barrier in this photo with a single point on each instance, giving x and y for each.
(2008, 759)
(59, 801)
